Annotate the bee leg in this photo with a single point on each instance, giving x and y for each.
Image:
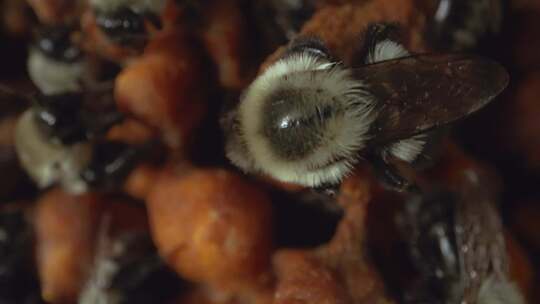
(110, 165)
(390, 175)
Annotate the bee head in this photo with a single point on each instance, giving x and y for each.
(55, 63)
(56, 43)
(123, 21)
(302, 120)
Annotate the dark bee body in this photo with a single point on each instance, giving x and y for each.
(308, 119)
(125, 22)
(457, 244)
(112, 162)
(463, 24)
(124, 27)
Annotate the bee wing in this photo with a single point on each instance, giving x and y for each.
(418, 93)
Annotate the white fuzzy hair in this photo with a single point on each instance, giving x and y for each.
(386, 50)
(154, 6)
(335, 157)
(408, 149)
(47, 162)
(52, 76)
(499, 291)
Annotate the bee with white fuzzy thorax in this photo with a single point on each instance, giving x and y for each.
(125, 21)
(457, 244)
(55, 64)
(59, 139)
(308, 119)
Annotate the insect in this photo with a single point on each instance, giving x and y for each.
(59, 138)
(55, 64)
(457, 244)
(124, 21)
(308, 119)
(128, 269)
(58, 142)
(462, 24)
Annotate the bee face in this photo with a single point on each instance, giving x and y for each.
(46, 161)
(300, 128)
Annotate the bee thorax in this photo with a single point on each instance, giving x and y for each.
(48, 162)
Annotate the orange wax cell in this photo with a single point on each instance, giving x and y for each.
(65, 230)
(165, 87)
(213, 227)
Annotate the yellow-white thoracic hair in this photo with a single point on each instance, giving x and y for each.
(47, 162)
(303, 120)
(53, 76)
